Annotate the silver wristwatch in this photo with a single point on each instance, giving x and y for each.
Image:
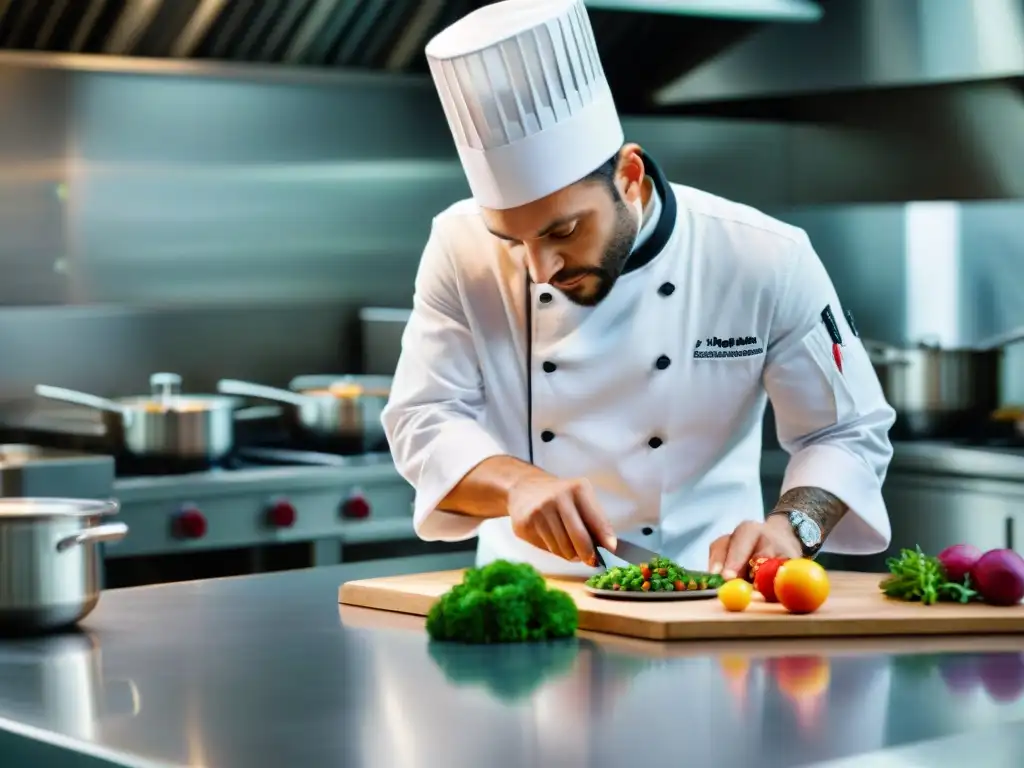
(807, 531)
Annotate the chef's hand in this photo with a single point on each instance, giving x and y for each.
(730, 555)
(559, 516)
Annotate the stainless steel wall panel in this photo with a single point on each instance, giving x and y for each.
(34, 120)
(234, 227)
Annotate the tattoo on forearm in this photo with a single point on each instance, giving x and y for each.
(821, 506)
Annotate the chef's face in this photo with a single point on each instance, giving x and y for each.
(578, 238)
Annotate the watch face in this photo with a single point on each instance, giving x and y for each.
(806, 529)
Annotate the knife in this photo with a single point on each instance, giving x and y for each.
(633, 554)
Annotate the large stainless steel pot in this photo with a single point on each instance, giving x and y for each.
(330, 409)
(940, 392)
(164, 424)
(50, 566)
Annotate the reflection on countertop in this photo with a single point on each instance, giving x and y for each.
(270, 671)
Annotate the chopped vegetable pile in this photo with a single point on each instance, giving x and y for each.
(959, 574)
(659, 575)
(502, 602)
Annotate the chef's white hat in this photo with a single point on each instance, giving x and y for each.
(526, 98)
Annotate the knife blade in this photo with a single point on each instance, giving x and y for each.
(633, 554)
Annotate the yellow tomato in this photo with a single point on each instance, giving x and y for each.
(801, 585)
(735, 595)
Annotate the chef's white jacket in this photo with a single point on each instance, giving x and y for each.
(656, 395)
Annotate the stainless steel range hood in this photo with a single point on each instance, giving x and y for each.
(864, 45)
(376, 35)
(745, 10)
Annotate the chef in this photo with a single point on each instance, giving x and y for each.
(591, 347)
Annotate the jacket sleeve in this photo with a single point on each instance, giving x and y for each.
(432, 417)
(835, 425)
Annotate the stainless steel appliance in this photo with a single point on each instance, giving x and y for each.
(29, 470)
(271, 505)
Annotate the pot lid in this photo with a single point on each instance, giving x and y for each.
(14, 508)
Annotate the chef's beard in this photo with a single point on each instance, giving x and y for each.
(616, 253)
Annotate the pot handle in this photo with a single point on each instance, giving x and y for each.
(1002, 340)
(259, 391)
(94, 535)
(259, 413)
(79, 398)
(881, 353)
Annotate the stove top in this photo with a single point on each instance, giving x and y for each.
(55, 433)
(247, 460)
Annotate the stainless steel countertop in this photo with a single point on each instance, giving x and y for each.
(935, 459)
(268, 671)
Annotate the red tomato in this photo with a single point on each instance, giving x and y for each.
(764, 579)
(645, 571)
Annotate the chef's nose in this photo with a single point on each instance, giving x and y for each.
(543, 263)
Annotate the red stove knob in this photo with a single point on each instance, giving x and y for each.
(356, 506)
(281, 514)
(190, 524)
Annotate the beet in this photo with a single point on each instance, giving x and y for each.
(958, 560)
(998, 576)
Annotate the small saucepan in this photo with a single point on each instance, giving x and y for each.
(164, 424)
(326, 410)
(51, 567)
(940, 392)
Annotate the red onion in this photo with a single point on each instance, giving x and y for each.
(958, 560)
(999, 577)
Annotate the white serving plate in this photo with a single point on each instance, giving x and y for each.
(689, 594)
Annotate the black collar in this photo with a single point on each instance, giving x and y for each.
(659, 238)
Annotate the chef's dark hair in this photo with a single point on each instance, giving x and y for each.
(605, 173)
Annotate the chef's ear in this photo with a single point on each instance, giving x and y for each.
(631, 172)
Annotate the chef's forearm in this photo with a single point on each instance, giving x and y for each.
(484, 490)
(821, 506)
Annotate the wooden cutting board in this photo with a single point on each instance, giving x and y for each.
(855, 607)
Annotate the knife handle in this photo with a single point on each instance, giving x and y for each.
(597, 552)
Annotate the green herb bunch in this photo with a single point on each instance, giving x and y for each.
(918, 577)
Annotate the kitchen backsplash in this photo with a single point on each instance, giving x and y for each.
(233, 227)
